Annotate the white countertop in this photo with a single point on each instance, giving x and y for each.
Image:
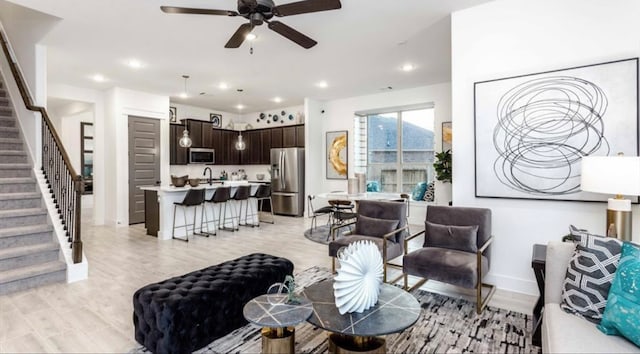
(204, 185)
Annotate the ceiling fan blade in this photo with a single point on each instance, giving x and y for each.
(306, 6)
(292, 34)
(186, 10)
(241, 33)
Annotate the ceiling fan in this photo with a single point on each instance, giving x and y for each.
(259, 11)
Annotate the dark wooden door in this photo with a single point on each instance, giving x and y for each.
(288, 137)
(177, 154)
(276, 137)
(207, 135)
(231, 154)
(217, 145)
(195, 132)
(252, 154)
(265, 151)
(144, 162)
(300, 135)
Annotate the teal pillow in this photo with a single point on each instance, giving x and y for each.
(419, 191)
(373, 186)
(622, 313)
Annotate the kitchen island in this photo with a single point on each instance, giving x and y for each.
(159, 216)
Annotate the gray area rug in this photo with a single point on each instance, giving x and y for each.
(446, 325)
(320, 234)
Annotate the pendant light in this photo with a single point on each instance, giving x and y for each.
(185, 140)
(240, 144)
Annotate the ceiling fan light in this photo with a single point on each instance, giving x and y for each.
(185, 141)
(250, 37)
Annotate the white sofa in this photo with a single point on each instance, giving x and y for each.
(567, 333)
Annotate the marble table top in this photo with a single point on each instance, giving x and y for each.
(396, 310)
(273, 311)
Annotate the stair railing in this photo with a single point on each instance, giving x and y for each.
(65, 185)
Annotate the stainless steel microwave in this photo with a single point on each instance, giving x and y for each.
(202, 156)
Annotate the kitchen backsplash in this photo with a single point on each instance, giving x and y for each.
(196, 171)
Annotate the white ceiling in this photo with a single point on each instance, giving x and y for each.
(360, 50)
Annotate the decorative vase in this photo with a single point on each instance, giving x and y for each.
(357, 285)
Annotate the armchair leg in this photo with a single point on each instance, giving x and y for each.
(482, 303)
(333, 265)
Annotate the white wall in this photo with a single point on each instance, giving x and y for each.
(339, 114)
(507, 38)
(123, 103)
(193, 112)
(103, 159)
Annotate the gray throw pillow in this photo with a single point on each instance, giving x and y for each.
(461, 238)
(590, 274)
(375, 227)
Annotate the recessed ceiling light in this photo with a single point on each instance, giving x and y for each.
(277, 99)
(322, 84)
(223, 86)
(183, 95)
(250, 37)
(240, 107)
(408, 67)
(98, 78)
(134, 64)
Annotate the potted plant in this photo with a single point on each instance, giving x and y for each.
(442, 166)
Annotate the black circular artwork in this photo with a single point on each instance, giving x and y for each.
(290, 116)
(283, 113)
(268, 122)
(269, 114)
(282, 121)
(261, 115)
(275, 118)
(258, 120)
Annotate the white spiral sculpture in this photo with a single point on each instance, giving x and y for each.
(357, 285)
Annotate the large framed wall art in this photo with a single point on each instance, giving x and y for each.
(531, 131)
(337, 154)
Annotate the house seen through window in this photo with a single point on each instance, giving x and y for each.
(395, 148)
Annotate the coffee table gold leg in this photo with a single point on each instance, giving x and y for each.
(278, 340)
(343, 344)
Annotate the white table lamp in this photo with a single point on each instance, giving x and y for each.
(619, 175)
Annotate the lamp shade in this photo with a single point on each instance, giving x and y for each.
(611, 175)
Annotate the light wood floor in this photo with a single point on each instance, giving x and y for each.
(95, 315)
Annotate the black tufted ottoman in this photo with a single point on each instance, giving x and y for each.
(185, 313)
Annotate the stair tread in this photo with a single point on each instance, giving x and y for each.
(20, 195)
(13, 252)
(14, 166)
(22, 212)
(13, 152)
(31, 271)
(15, 129)
(25, 230)
(10, 140)
(14, 180)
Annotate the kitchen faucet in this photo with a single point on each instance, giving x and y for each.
(210, 179)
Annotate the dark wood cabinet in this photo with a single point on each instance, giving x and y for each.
(276, 137)
(230, 156)
(195, 132)
(289, 137)
(177, 154)
(300, 135)
(207, 135)
(258, 143)
(265, 151)
(252, 154)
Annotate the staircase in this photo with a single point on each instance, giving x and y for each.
(29, 252)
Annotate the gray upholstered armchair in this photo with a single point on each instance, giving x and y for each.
(455, 250)
(382, 222)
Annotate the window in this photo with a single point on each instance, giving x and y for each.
(395, 148)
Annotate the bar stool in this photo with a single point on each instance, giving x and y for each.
(221, 195)
(194, 198)
(262, 193)
(242, 195)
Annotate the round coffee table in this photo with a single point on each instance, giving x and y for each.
(395, 311)
(277, 319)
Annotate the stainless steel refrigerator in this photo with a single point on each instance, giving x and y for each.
(287, 181)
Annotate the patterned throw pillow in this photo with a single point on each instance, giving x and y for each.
(430, 194)
(589, 275)
(622, 314)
